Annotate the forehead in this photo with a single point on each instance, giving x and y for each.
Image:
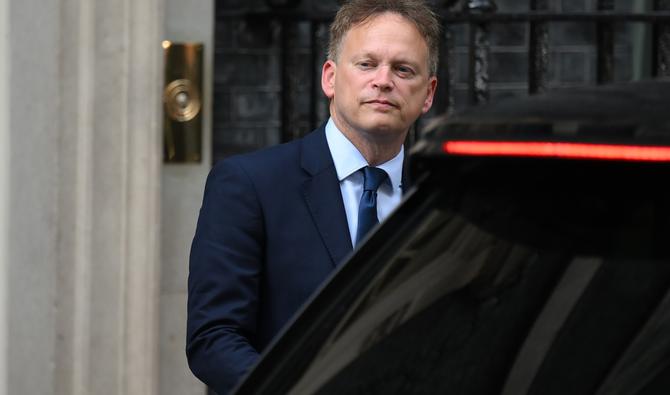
(384, 30)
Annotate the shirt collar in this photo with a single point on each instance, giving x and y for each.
(348, 159)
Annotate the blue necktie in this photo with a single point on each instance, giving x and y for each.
(367, 210)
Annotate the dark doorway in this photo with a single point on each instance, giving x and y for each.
(269, 53)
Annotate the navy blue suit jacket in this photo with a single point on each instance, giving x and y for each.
(271, 229)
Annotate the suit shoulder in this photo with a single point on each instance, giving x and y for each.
(275, 160)
(269, 157)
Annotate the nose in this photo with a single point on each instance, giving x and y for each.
(383, 79)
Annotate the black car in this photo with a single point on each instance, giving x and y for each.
(532, 256)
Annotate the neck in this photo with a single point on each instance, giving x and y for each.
(377, 147)
(374, 152)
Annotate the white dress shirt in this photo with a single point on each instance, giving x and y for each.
(348, 160)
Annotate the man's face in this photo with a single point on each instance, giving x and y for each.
(380, 84)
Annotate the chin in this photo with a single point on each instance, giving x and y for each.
(382, 123)
(385, 130)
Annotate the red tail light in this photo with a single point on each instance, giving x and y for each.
(559, 150)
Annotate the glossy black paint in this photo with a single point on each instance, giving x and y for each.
(503, 275)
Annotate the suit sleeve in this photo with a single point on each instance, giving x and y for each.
(224, 274)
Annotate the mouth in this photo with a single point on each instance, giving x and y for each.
(381, 103)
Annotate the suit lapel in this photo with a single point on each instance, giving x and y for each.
(323, 197)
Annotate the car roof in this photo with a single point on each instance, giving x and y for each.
(624, 113)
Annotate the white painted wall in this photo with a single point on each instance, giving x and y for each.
(4, 191)
(181, 197)
(79, 196)
(81, 193)
(34, 43)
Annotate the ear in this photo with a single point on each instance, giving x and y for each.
(328, 78)
(428, 103)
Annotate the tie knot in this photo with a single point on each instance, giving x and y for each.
(373, 178)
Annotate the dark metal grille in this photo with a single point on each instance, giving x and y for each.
(289, 102)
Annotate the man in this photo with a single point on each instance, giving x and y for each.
(275, 223)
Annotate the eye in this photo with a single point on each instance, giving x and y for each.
(405, 70)
(365, 64)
